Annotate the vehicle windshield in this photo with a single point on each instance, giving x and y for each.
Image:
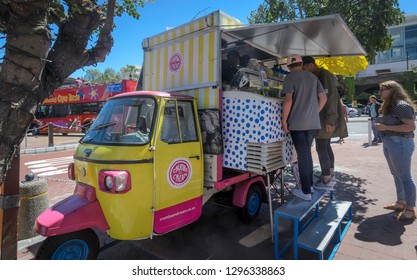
(123, 121)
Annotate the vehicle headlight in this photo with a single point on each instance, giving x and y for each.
(121, 181)
(114, 181)
(108, 182)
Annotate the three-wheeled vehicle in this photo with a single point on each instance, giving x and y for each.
(152, 158)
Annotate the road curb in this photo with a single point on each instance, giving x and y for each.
(49, 149)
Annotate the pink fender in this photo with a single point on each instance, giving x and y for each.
(79, 211)
(241, 190)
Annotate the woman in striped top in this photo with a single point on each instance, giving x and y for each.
(396, 128)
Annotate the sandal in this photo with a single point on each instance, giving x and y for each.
(407, 215)
(397, 206)
(397, 214)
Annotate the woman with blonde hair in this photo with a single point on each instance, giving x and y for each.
(396, 128)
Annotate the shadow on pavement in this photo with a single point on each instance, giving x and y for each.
(367, 145)
(220, 234)
(352, 188)
(370, 230)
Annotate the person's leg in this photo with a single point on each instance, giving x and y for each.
(310, 134)
(300, 140)
(402, 150)
(326, 157)
(323, 155)
(392, 152)
(375, 131)
(331, 157)
(403, 161)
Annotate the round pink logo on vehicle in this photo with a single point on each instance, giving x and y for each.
(179, 173)
(175, 62)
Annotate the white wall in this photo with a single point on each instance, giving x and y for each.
(400, 66)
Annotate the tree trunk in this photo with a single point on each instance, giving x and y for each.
(27, 43)
(32, 69)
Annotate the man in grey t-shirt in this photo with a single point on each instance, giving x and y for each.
(304, 98)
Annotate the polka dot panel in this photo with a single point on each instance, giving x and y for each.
(249, 117)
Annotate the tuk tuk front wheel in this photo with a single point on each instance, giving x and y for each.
(253, 204)
(79, 245)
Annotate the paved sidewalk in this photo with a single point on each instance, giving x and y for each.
(40, 143)
(364, 179)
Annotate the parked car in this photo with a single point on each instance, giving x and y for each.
(362, 109)
(351, 111)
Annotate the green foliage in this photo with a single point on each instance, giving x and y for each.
(349, 84)
(129, 7)
(367, 19)
(59, 10)
(111, 76)
(56, 11)
(94, 76)
(280, 10)
(130, 71)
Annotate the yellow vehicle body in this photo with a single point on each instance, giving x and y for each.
(129, 215)
(160, 199)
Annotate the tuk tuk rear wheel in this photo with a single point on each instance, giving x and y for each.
(79, 245)
(253, 204)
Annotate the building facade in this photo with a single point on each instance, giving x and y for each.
(395, 63)
(402, 56)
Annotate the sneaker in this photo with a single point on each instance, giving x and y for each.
(332, 178)
(299, 193)
(325, 186)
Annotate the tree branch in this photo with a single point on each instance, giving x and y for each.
(67, 53)
(70, 52)
(105, 41)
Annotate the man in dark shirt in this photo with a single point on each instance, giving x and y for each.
(230, 66)
(332, 122)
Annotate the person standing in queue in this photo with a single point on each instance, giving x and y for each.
(304, 98)
(396, 127)
(332, 122)
(374, 114)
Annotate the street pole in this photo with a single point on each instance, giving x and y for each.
(50, 135)
(9, 206)
(406, 56)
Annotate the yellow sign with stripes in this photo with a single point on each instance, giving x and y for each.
(187, 59)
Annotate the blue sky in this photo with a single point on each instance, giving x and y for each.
(155, 18)
(158, 15)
